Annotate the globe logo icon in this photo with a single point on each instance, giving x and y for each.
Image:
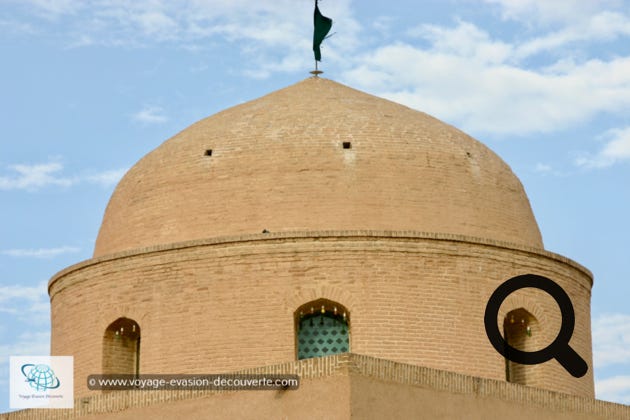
(40, 377)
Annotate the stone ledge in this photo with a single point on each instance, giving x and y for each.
(280, 237)
(349, 364)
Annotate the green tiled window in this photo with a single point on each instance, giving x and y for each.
(322, 335)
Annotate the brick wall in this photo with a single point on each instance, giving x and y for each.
(229, 304)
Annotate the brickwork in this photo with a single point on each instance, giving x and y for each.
(522, 331)
(278, 164)
(180, 252)
(226, 305)
(344, 387)
(121, 347)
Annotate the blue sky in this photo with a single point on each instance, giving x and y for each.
(88, 87)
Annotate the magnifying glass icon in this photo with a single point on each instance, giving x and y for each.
(559, 349)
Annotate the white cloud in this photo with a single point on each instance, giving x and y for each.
(603, 26)
(616, 388)
(611, 348)
(16, 27)
(51, 9)
(271, 34)
(31, 343)
(543, 168)
(150, 115)
(39, 253)
(33, 177)
(35, 343)
(383, 24)
(461, 73)
(26, 307)
(29, 304)
(79, 41)
(611, 340)
(550, 12)
(465, 40)
(38, 176)
(107, 178)
(160, 20)
(157, 24)
(8, 293)
(477, 82)
(546, 169)
(617, 149)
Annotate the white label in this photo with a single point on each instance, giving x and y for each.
(41, 382)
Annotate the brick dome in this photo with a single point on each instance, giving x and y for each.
(388, 232)
(317, 156)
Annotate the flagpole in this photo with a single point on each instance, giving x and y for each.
(316, 72)
(322, 26)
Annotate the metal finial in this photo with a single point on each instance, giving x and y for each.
(317, 71)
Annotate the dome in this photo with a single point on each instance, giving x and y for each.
(317, 156)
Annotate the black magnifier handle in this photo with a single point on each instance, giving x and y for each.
(571, 361)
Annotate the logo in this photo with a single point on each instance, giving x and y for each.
(41, 382)
(559, 349)
(40, 377)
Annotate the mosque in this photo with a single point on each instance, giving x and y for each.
(324, 232)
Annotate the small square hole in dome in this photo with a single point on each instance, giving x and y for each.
(347, 145)
(208, 152)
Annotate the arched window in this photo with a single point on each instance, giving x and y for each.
(121, 347)
(322, 329)
(520, 330)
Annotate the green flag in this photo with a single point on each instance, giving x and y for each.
(322, 27)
